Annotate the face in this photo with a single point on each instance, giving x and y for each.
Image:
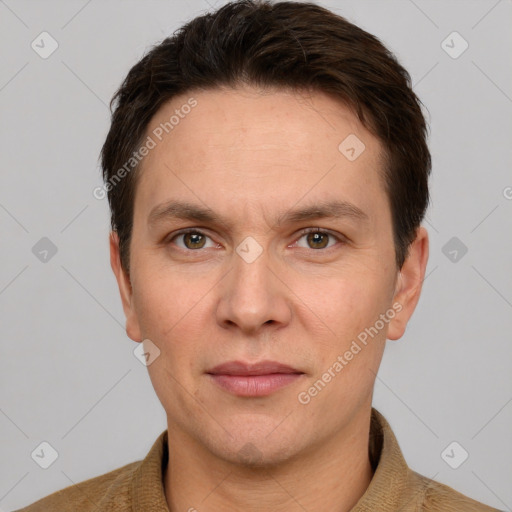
(288, 257)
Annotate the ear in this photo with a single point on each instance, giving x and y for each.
(125, 289)
(409, 284)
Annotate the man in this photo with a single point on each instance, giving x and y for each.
(267, 173)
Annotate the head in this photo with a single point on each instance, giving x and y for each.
(252, 127)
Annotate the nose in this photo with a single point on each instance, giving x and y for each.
(253, 294)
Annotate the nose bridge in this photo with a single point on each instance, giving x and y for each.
(250, 280)
(251, 294)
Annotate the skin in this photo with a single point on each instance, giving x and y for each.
(250, 156)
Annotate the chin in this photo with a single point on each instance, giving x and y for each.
(255, 450)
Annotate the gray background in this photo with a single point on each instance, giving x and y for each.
(68, 373)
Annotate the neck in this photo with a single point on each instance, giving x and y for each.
(332, 476)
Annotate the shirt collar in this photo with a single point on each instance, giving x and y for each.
(389, 484)
(385, 492)
(148, 493)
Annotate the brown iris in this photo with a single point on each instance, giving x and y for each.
(315, 238)
(197, 240)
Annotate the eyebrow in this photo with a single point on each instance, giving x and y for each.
(175, 209)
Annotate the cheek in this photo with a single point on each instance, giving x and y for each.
(171, 309)
(347, 356)
(345, 304)
(170, 319)
(165, 299)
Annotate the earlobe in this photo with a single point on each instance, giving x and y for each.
(125, 289)
(409, 284)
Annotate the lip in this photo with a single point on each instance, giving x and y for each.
(253, 380)
(260, 368)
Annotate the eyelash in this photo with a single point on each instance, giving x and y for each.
(304, 232)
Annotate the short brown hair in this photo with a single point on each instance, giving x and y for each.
(294, 45)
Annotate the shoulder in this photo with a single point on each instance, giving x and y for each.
(438, 497)
(91, 495)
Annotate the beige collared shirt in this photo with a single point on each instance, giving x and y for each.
(138, 486)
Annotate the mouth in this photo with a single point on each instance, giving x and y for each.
(253, 380)
(250, 369)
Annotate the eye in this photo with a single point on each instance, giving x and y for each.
(192, 239)
(318, 239)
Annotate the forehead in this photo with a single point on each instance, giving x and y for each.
(275, 146)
